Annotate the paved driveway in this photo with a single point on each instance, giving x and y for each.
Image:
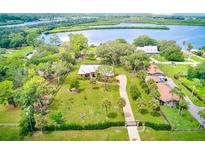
(129, 116)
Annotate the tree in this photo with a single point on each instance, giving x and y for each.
(134, 91)
(182, 106)
(196, 83)
(111, 51)
(17, 40)
(106, 104)
(155, 106)
(144, 40)
(31, 38)
(189, 47)
(93, 82)
(137, 61)
(74, 84)
(57, 118)
(121, 103)
(106, 72)
(40, 120)
(170, 50)
(6, 92)
(78, 42)
(27, 122)
(202, 113)
(141, 74)
(141, 104)
(181, 94)
(55, 40)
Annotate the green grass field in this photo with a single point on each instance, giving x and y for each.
(9, 133)
(179, 122)
(160, 58)
(152, 135)
(8, 115)
(110, 134)
(88, 102)
(197, 59)
(19, 52)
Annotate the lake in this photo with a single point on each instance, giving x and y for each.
(180, 33)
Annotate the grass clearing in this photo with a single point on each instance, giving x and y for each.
(9, 133)
(196, 58)
(152, 135)
(179, 122)
(19, 52)
(110, 134)
(8, 115)
(88, 102)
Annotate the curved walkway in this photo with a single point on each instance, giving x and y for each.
(129, 116)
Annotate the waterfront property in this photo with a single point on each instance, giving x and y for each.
(91, 71)
(149, 49)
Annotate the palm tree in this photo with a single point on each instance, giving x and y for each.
(121, 103)
(197, 83)
(106, 104)
(181, 94)
(141, 105)
(155, 105)
(182, 106)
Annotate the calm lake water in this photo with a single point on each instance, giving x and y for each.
(190, 34)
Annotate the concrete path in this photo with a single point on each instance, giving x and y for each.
(129, 116)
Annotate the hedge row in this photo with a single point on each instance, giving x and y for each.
(85, 127)
(158, 126)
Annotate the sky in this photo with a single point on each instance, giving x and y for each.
(102, 6)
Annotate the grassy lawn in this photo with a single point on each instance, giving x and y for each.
(88, 102)
(9, 134)
(160, 58)
(9, 115)
(197, 59)
(152, 135)
(171, 70)
(110, 134)
(184, 121)
(19, 52)
(132, 79)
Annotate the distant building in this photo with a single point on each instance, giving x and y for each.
(90, 71)
(149, 49)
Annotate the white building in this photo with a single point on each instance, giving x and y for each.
(149, 49)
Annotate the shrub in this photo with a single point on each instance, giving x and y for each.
(135, 94)
(158, 126)
(74, 84)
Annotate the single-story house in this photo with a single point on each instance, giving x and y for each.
(166, 97)
(153, 70)
(91, 71)
(149, 49)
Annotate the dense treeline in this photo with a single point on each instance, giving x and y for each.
(22, 36)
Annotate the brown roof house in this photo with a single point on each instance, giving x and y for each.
(153, 70)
